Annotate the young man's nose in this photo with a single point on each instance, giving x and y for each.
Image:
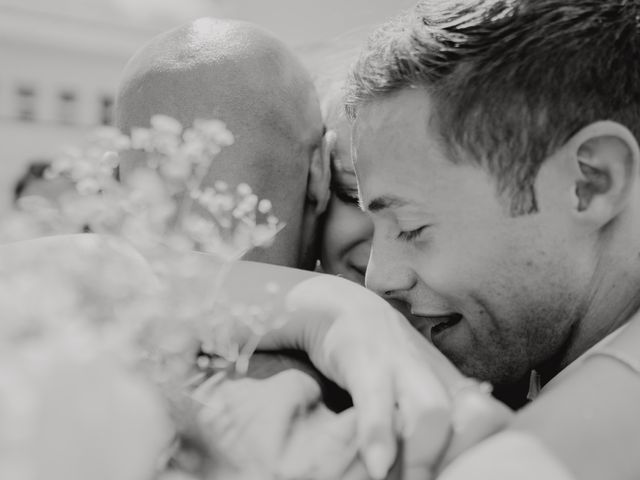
(387, 274)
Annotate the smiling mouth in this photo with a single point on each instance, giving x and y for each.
(445, 323)
(433, 325)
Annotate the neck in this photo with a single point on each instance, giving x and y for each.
(513, 395)
(614, 299)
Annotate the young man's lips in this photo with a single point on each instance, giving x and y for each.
(447, 322)
(430, 325)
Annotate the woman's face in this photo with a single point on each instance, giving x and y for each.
(346, 240)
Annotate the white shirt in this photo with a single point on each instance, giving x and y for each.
(534, 381)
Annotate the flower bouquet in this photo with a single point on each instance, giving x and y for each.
(105, 335)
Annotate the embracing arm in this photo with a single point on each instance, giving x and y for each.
(591, 419)
(402, 387)
(586, 426)
(352, 336)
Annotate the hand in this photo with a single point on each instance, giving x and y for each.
(248, 422)
(359, 341)
(476, 416)
(400, 384)
(322, 446)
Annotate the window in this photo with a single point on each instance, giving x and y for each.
(26, 103)
(106, 110)
(67, 107)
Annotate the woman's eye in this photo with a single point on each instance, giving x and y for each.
(347, 196)
(407, 236)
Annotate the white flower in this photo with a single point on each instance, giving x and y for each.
(141, 139)
(165, 143)
(110, 138)
(249, 202)
(243, 189)
(224, 203)
(146, 185)
(216, 131)
(263, 235)
(102, 304)
(176, 168)
(166, 124)
(195, 150)
(264, 206)
(238, 213)
(110, 160)
(81, 169)
(88, 186)
(198, 227)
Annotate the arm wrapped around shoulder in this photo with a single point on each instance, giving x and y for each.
(506, 456)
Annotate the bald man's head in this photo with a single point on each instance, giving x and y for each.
(236, 72)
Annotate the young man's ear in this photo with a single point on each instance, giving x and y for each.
(318, 183)
(607, 158)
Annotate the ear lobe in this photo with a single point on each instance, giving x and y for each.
(607, 159)
(318, 183)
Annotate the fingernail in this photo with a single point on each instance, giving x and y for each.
(378, 460)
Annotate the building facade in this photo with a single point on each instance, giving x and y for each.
(61, 59)
(59, 73)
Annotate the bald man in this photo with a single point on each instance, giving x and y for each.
(238, 73)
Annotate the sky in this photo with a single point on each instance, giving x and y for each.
(297, 22)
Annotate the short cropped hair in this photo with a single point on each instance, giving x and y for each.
(511, 80)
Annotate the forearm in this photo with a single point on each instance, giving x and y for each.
(311, 306)
(328, 317)
(248, 282)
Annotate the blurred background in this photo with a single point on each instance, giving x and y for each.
(61, 59)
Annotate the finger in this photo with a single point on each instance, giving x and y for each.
(424, 446)
(373, 396)
(476, 416)
(403, 469)
(366, 375)
(208, 387)
(256, 414)
(319, 436)
(273, 402)
(296, 388)
(425, 417)
(357, 470)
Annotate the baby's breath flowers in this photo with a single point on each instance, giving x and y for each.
(155, 307)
